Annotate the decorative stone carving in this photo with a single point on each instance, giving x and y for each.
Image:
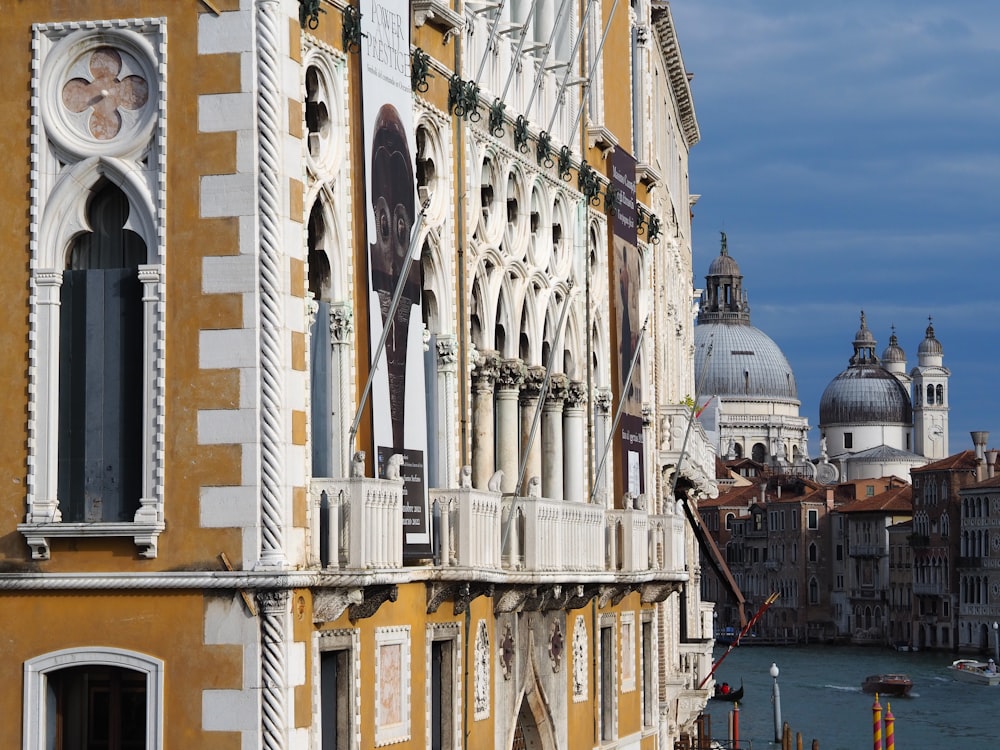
(341, 324)
(512, 373)
(576, 394)
(374, 597)
(580, 659)
(532, 387)
(558, 388)
(465, 478)
(484, 376)
(557, 645)
(602, 400)
(358, 464)
(447, 350)
(507, 653)
(330, 604)
(481, 674)
(495, 481)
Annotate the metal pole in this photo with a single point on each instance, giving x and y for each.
(776, 700)
(618, 411)
(393, 304)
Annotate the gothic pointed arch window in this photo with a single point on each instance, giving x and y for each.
(96, 393)
(100, 362)
(320, 375)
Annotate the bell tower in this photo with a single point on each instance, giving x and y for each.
(930, 398)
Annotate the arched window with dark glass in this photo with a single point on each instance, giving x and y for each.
(320, 346)
(100, 366)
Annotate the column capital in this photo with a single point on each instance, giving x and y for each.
(341, 323)
(576, 394)
(558, 389)
(447, 349)
(602, 399)
(532, 387)
(487, 370)
(512, 374)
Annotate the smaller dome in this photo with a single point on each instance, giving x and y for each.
(894, 352)
(930, 345)
(724, 265)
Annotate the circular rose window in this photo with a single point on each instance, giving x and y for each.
(99, 93)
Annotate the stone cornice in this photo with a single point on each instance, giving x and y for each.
(663, 23)
(301, 579)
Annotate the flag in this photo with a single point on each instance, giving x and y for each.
(704, 406)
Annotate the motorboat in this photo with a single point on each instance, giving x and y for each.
(974, 671)
(887, 684)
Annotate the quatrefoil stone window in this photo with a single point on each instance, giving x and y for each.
(105, 93)
(100, 92)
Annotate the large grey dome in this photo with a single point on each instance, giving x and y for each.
(865, 394)
(745, 363)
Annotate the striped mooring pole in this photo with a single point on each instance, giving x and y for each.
(876, 724)
(890, 722)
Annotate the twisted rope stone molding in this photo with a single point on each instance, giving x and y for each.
(269, 203)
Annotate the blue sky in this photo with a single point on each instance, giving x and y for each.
(851, 153)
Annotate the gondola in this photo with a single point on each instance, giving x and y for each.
(732, 696)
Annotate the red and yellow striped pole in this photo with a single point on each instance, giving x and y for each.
(890, 721)
(876, 724)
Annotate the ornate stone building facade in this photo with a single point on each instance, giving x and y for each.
(347, 354)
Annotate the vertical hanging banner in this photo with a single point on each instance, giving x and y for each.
(626, 281)
(397, 396)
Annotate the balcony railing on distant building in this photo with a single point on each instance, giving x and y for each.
(867, 550)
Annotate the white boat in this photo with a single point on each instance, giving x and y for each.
(978, 672)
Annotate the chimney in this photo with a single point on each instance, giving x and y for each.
(991, 463)
(979, 439)
(829, 498)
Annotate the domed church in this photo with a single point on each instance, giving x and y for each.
(867, 416)
(747, 398)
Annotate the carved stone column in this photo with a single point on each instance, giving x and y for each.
(273, 668)
(528, 401)
(602, 429)
(552, 437)
(45, 507)
(341, 339)
(574, 455)
(484, 378)
(447, 372)
(271, 269)
(512, 373)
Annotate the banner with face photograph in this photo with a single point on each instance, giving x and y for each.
(625, 284)
(397, 396)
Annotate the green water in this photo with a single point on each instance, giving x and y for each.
(821, 698)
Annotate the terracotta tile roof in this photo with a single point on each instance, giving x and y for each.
(957, 461)
(896, 500)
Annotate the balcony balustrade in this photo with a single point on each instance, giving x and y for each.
(360, 526)
(360, 523)
(867, 550)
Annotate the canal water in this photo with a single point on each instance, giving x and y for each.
(821, 699)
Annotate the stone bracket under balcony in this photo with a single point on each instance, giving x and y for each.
(536, 598)
(373, 598)
(658, 591)
(329, 604)
(460, 592)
